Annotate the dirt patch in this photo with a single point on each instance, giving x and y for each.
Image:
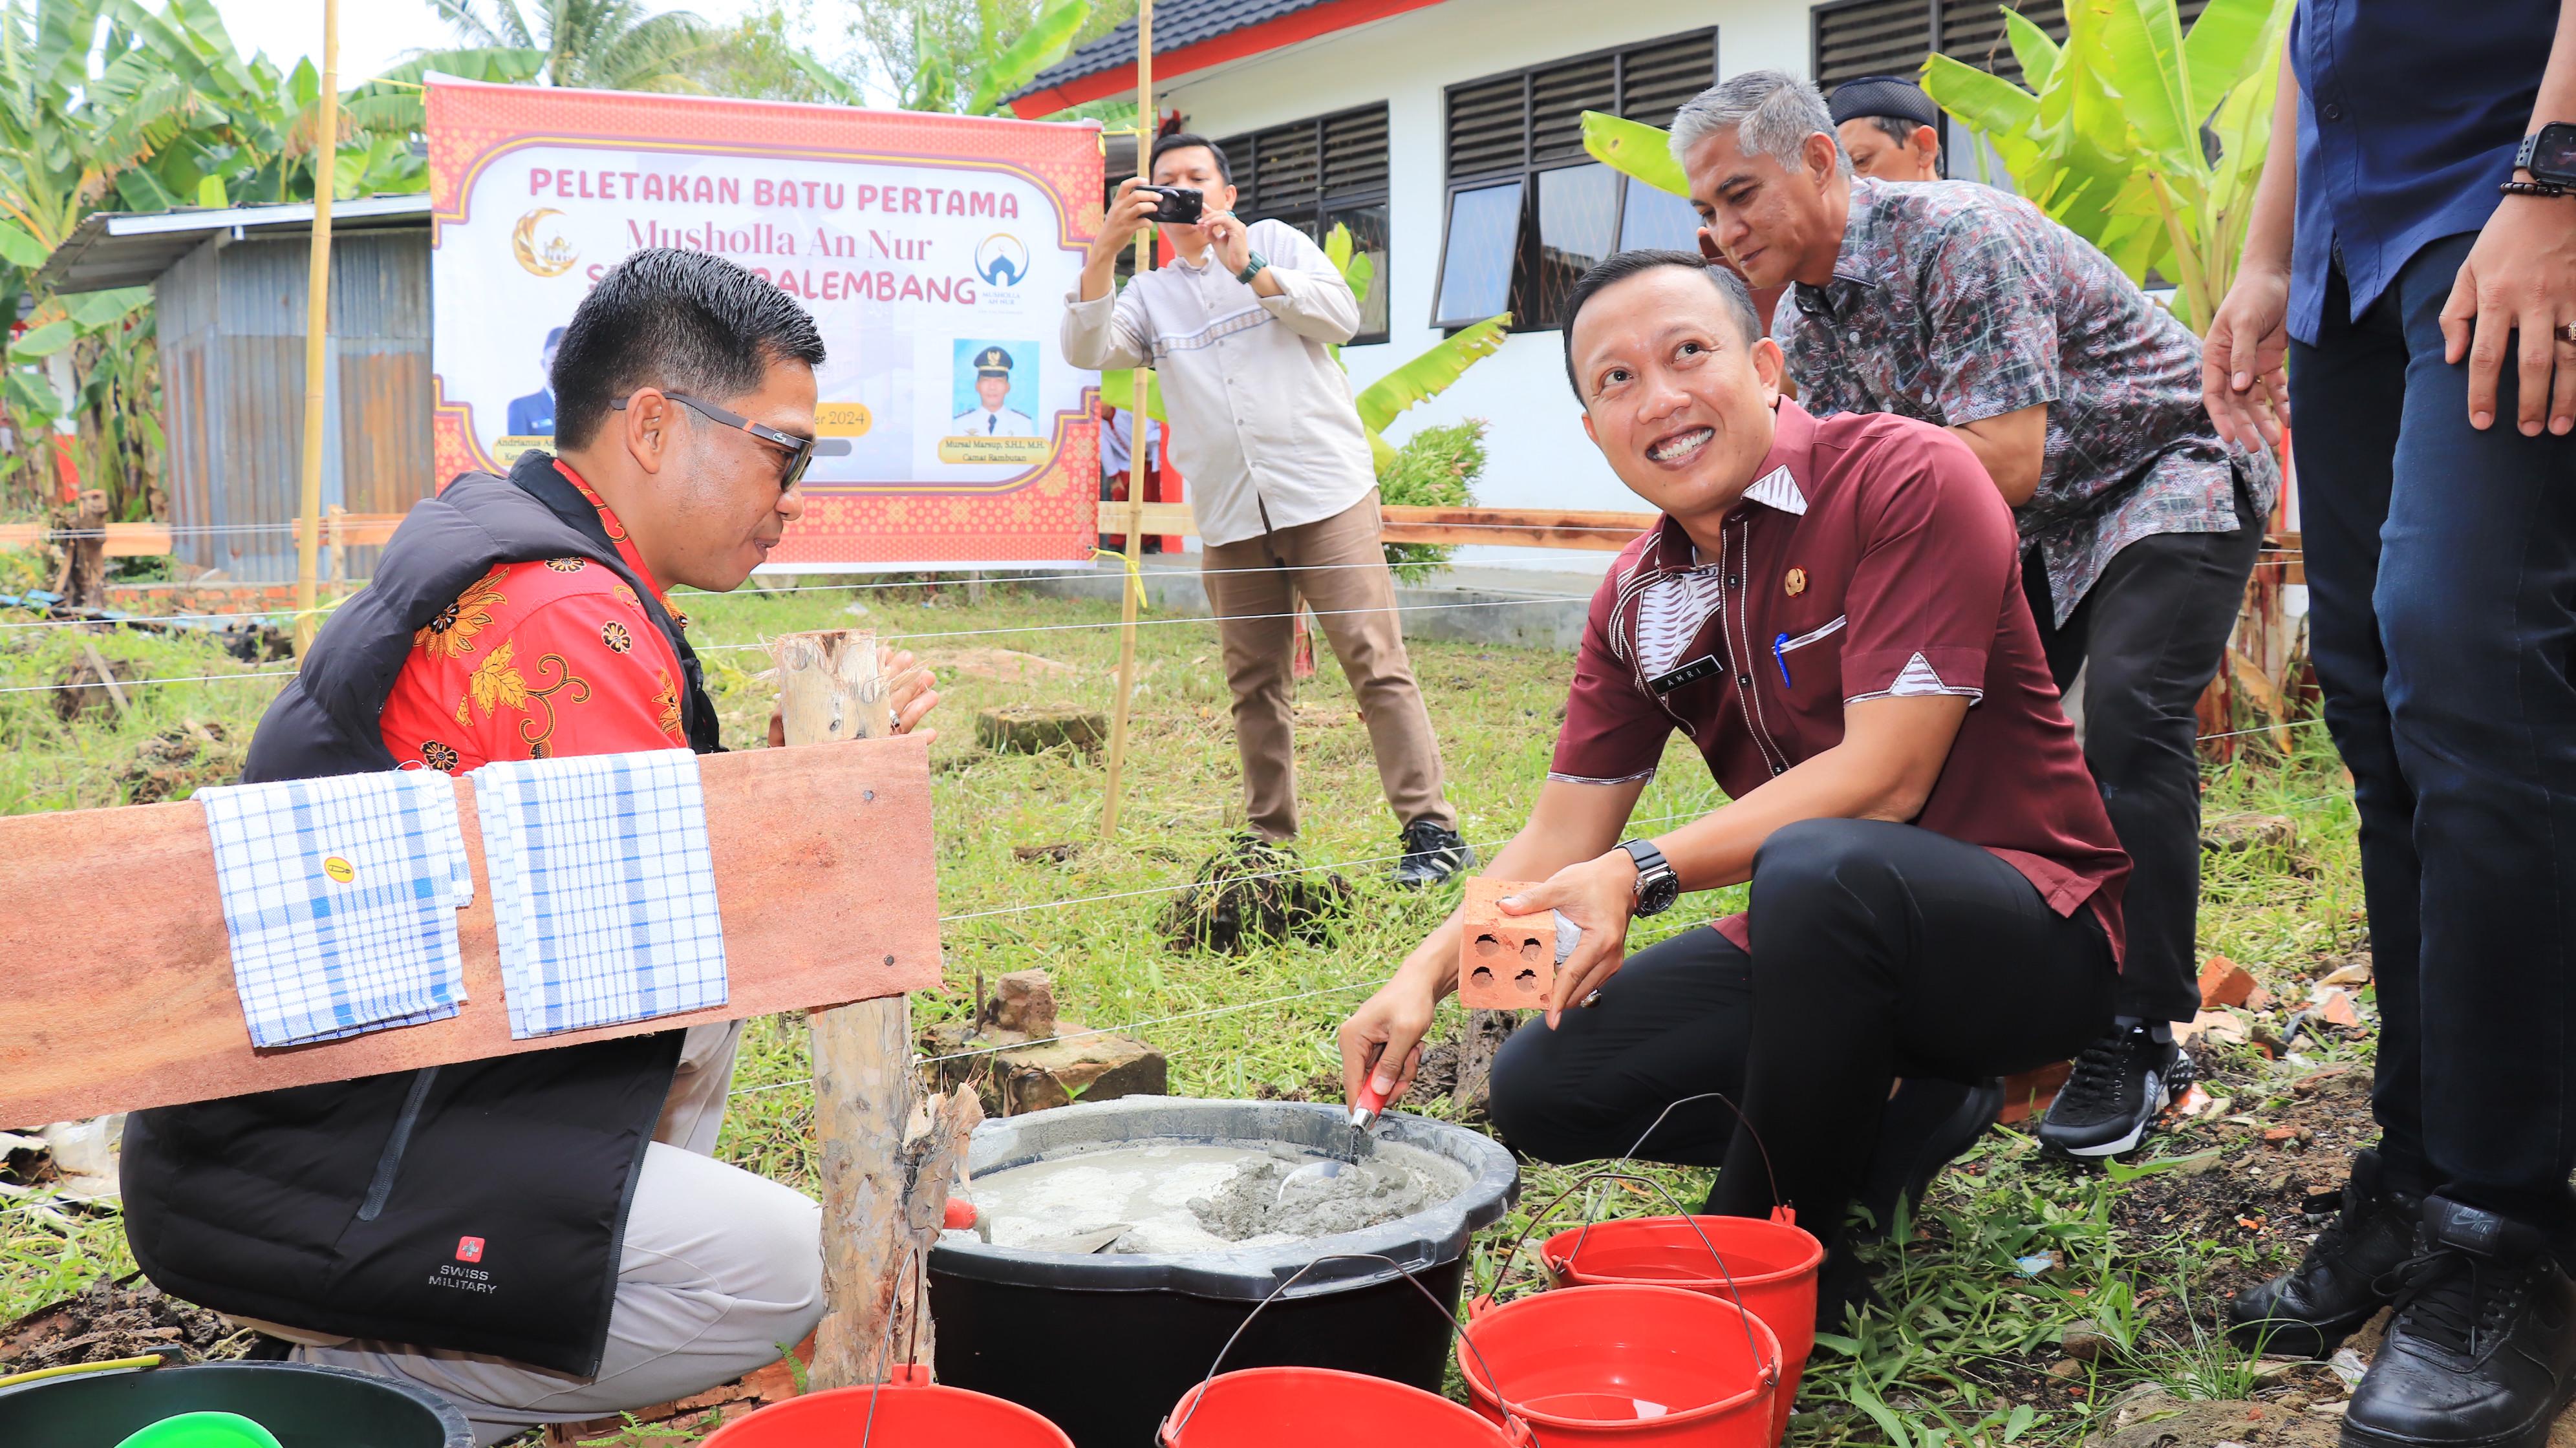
(1254, 892)
(180, 760)
(2154, 1418)
(125, 1318)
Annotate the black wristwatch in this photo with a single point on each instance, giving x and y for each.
(2549, 154)
(1657, 886)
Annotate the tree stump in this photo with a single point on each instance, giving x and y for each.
(82, 580)
(1035, 728)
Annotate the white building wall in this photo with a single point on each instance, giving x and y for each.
(1538, 456)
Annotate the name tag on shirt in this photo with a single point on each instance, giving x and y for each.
(1690, 673)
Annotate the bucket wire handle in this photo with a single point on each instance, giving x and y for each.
(1747, 1127)
(885, 1344)
(1601, 1174)
(1519, 1431)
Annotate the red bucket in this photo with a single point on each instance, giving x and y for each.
(1300, 1407)
(909, 1411)
(1773, 1265)
(1627, 1367)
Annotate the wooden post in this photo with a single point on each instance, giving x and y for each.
(1146, 125)
(317, 326)
(888, 1155)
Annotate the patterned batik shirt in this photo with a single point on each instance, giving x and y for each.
(545, 659)
(1954, 302)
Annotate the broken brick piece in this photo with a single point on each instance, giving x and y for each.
(2338, 1009)
(2280, 1133)
(2225, 983)
(1505, 962)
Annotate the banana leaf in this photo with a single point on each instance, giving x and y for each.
(2032, 48)
(43, 341)
(20, 249)
(1118, 389)
(1044, 43)
(93, 310)
(1426, 376)
(2230, 40)
(1636, 149)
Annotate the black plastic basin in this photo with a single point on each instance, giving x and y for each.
(306, 1407)
(1104, 1345)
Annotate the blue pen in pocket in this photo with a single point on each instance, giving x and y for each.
(1780, 656)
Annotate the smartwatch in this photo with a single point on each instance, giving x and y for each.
(1657, 886)
(1253, 267)
(2549, 154)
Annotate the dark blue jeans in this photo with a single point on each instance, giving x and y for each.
(2442, 580)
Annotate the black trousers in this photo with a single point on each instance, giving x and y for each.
(2442, 585)
(2154, 629)
(1880, 950)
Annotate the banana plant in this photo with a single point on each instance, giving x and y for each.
(2139, 137)
(1636, 150)
(973, 83)
(1384, 400)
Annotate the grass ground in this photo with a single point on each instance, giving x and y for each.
(1964, 1351)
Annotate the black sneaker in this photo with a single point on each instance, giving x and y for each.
(2350, 1272)
(2120, 1085)
(2482, 1352)
(1431, 854)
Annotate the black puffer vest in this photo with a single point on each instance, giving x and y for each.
(477, 1206)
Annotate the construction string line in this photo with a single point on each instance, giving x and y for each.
(749, 590)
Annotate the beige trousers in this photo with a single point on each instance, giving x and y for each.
(720, 1269)
(1337, 564)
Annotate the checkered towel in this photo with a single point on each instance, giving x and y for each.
(603, 889)
(340, 896)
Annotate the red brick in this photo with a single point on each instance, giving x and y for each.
(2224, 983)
(1505, 962)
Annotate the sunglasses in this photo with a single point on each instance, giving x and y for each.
(801, 451)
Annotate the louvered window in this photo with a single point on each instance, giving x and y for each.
(1529, 212)
(1317, 174)
(1854, 38)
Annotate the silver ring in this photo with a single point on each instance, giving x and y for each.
(2567, 332)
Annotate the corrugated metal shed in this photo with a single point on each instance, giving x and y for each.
(231, 310)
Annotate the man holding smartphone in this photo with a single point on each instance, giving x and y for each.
(2413, 258)
(1239, 328)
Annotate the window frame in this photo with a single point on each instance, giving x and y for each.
(1322, 202)
(1526, 260)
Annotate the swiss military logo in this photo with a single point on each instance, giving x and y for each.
(469, 1249)
(1796, 582)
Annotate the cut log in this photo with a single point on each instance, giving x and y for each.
(888, 1155)
(1035, 728)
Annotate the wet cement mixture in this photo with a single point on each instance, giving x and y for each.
(1181, 1197)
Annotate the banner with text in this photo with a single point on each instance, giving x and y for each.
(934, 251)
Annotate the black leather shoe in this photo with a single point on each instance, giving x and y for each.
(2482, 1351)
(2350, 1272)
(1926, 1125)
(1431, 854)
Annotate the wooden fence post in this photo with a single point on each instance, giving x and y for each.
(888, 1154)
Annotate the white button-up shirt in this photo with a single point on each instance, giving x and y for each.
(1262, 423)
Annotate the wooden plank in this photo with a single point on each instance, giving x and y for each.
(1580, 529)
(124, 540)
(824, 873)
(354, 530)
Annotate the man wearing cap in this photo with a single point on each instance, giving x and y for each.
(1889, 128)
(992, 389)
(1961, 305)
(534, 414)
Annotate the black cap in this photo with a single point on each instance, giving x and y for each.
(1883, 95)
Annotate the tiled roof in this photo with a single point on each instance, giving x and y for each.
(1177, 23)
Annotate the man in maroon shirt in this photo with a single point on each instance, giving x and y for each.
(1831, 611)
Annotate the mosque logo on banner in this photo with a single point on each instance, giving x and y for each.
(1001, 260)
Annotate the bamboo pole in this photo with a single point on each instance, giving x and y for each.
(1137, 431)
(317, 328)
